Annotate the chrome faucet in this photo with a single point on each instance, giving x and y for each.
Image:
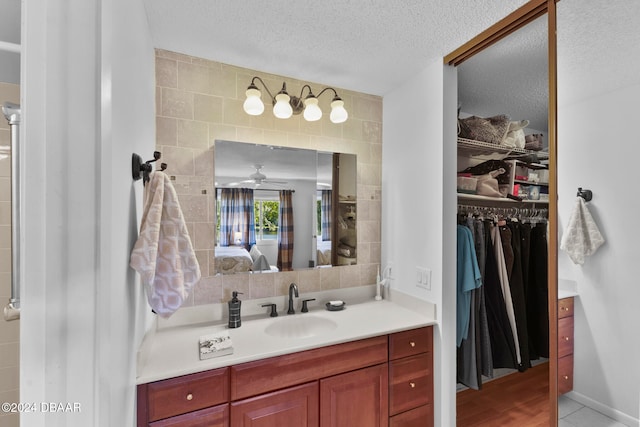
(293, 288)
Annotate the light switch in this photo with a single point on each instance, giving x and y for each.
(423, 278)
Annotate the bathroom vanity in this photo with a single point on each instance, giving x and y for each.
(374, 368)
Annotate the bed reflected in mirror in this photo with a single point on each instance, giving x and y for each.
(281, 208)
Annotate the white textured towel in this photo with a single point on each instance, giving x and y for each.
(582, 236)
(163, 254)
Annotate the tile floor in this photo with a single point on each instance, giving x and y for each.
(574, 414)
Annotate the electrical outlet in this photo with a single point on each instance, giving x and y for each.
(388, 272)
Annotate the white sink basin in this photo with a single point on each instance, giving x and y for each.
(300, 326)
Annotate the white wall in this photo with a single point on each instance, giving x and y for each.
(88, 97)
(416, 230)
(598, 149)
(607, 347)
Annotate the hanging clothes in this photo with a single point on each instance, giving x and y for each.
(484, 338)
(468, 279)
(474, 354)
(517, 291)
(537, 298)
(503, 348)
(503, 276)
(468, 355)
(508, 317)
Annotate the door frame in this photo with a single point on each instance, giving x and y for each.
(516, 20)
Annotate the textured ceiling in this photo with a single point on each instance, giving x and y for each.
(510, 78)
(366, 46)
(373, 46)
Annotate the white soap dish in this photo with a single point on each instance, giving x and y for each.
(215, 345)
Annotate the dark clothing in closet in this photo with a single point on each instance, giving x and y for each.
(538, 292)
(505, 236)
(518, 294)
(503, 349)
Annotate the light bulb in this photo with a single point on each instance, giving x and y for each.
(253, 104)
(282, 109)
(338, 112)
(312, 112)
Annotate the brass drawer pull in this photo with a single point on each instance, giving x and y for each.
(189, 396)
(412, 344)
(566, 338)
(566, 377)
(413, 385)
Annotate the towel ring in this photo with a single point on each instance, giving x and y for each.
(587, 195)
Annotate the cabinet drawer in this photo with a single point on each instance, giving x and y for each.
(252, 378)
(409, 343)
(411, 383)
(565, 374)
(565, 307)
(565, 336)
(218, 416)
(187, 393)
(421, 416)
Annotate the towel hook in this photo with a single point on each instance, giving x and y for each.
(587, 195)
(142, 170)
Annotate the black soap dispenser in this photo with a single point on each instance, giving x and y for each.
(234, 310)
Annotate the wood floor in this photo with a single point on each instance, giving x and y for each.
(520, 400)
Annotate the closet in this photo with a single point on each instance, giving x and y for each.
(504, 187)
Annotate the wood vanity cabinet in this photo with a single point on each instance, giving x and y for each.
(357, 398)
(565, 345)
(187, 394)
(411, 378)
(358, 383)
(292, 407)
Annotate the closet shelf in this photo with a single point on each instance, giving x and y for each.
(521, 181)
(475, 197)
(474, 148)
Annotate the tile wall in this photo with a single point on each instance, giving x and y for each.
(9, 331)
(199, 101)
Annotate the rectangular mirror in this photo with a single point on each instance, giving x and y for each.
(278, 208)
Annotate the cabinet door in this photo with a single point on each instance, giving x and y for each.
(291, 407)
(357, 398)
(218, 416)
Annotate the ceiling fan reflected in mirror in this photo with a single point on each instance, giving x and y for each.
(257, 178)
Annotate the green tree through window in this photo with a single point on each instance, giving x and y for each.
(266, 213)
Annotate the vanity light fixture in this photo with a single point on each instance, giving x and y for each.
(284, 105)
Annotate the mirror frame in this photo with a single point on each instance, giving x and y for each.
(516, 20)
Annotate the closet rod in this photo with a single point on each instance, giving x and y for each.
(505, 211)
(10, 47)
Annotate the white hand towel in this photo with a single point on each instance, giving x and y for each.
(582, 236)
(163, 254)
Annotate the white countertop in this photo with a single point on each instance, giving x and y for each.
(566, 293)
(173, 351)
(567, 288)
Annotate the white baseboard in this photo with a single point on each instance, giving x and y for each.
(604, 409)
